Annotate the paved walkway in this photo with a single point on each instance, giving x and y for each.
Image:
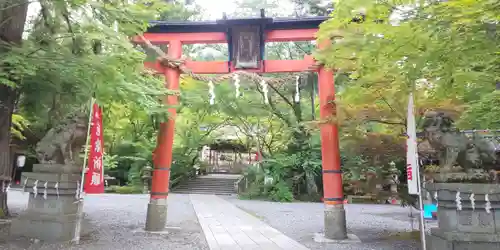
(227, 227)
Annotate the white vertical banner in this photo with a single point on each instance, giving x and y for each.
(412, 167)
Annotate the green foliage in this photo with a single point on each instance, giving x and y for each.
(124, 189)
(253, 192)
(73, 51)
(280, 192)
(131, 158)
(131, 133)
(483, 113)
(450, 44)
(77, 48)
(293, 173)
(19, 124)
(276, 191)
(110, 161)
(446, 52)
(354, 167)
(420, 48)
(178, 11)
(312, 7)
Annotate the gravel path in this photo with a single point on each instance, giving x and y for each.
(117, 221)
(371, 223)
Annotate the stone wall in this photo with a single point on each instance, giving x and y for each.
(468, 214)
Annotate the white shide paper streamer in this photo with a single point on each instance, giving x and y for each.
(35, 188)
(265, 91)
(458, 201)
(77, 193)
(45, 190)
(487, 206)
(57, 189)
(297, 93)
(211, 92)
(436, 198)
(24, 184)
(236, 79)
(472, 201)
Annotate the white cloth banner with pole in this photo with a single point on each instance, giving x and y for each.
(412, 168)
(85, 158)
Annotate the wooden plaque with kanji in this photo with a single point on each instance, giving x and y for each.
(246, 47)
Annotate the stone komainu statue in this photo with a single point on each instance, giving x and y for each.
(63, 143)
(455, 148)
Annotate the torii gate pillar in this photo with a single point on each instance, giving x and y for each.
(333, 197)
(157, 208)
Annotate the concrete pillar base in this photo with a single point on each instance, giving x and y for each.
(156, 218)
(351, 239)
(335, 222)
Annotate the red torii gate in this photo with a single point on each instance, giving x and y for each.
(246, 39)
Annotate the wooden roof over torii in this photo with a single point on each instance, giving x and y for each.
(272, 27)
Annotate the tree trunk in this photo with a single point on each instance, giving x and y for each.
(312, 187)
(12, 20)
(7, 98)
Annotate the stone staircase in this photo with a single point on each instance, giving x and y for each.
(219, 184)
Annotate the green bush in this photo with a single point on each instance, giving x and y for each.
(280, 192)
(253, 192)
(124, 189)
(276, 192)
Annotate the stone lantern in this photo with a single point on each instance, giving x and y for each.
(146, 178)
(394, 177)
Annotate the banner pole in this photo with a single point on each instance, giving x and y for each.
(422, 222)
(85, 159)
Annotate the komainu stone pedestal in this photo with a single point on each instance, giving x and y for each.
(469, 217)
(54, 211)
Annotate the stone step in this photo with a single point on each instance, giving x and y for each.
(216, 178)
(195, 185)
(197, 181)
(199, 185)
(204, 191)
(211, 182)
(208, 189)
(201, 192)
(207, 185)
